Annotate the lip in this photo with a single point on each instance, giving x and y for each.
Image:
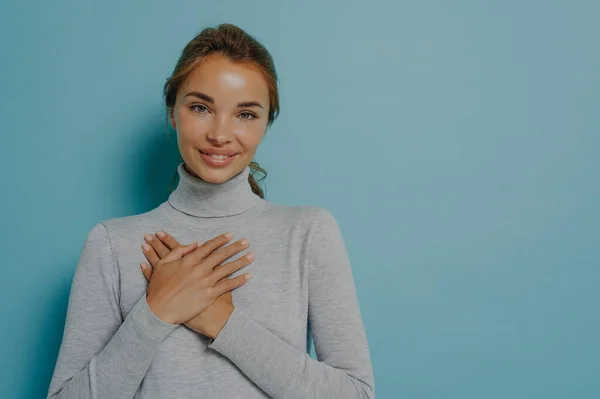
(219, 151)
(217, 162)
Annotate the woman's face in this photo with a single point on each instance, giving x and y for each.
(222, 107)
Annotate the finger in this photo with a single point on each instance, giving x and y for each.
(207, 248)
(146, 271)
(168, 240)
(160, 248)
(150, 255)
(179, 252)
(224, 253)
(228, 268)
(191, 247)
(229, 284)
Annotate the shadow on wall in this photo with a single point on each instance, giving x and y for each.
(49, 324)
(155, 157)
(146, 165)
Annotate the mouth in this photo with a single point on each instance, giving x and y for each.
(217, 159)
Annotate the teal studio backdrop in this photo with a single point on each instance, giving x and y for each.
(456, 142)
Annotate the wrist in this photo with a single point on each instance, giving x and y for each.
(221, 323)
(158, 312)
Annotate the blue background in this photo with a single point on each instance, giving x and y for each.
(456, 143)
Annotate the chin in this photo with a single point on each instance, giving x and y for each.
(212, 174)
(215, 176)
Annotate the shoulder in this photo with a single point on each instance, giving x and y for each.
(106, 232)
(297, 214)
(126, 222)
(129, 227)
(310, 219)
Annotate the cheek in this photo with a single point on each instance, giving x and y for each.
(191, 128)
(250, 137)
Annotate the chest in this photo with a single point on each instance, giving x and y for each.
(276, 296)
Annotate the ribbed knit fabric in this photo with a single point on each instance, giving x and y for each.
(115, 347)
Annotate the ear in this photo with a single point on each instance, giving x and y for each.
(172, 118)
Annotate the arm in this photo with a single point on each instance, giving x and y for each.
(102, 355)
(343, 369)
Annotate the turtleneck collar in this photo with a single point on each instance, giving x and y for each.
(197, 197)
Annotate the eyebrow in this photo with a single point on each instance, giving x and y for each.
(207, 98)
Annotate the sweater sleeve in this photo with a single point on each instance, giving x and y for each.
(102, 355)
(343, 369)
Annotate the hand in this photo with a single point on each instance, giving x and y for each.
(185, 282)
(211, 320)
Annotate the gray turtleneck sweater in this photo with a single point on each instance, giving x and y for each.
(115, 347)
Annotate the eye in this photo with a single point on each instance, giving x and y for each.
(248, 115)
(201, 107)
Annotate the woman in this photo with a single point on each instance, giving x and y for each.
(190, 324)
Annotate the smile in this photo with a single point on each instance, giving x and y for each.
(217, 160)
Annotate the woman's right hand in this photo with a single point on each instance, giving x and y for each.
(182, 287)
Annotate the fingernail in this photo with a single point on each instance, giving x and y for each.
(146, 247)
(248, 276)
(228, 235)
(161, 234)
(148, 237)
(143, 265)
(244, 242)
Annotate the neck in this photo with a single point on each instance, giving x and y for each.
(197, 197)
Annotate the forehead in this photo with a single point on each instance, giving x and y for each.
(227, 82)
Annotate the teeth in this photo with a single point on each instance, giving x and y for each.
(215, 156)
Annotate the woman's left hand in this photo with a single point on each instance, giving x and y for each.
(212, 319)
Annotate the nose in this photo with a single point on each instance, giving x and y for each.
(220, 134)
